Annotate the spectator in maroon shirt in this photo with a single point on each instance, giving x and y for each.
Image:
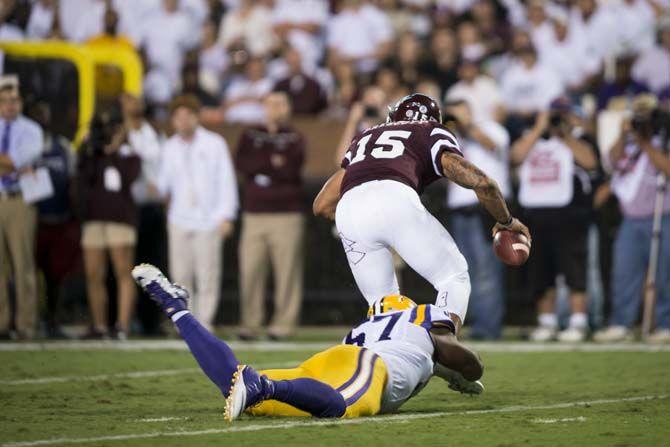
(107, 169)
(306, 94)
(270, 159)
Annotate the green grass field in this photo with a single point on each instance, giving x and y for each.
(159, 398)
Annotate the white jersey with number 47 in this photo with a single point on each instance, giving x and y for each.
(402, 340)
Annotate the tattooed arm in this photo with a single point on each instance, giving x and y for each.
(465, 174)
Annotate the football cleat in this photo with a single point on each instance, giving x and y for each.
(170, 297)
(247, 389)
(457, 382)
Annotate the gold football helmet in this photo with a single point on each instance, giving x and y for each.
(390, 303)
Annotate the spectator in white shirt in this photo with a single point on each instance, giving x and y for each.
(598, 25)
(527, 87)
(566, 52)
(143, 141)
(540, 28)
(455, 6)
(198, 177)
(470, 41)
(243, 100)
(484, 143)
(652, 67)
(359, 33)
(635, 24)
(480, 92)
(41, 21)
(166, 37)
(83, 27)
(299, 23)
(11, 21)
(213, 61)
(249, 27)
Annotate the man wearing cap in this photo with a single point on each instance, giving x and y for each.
(20, 146)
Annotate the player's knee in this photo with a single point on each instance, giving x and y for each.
(336, 407)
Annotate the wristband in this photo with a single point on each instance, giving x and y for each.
(508, 223)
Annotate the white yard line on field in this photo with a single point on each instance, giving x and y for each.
(126, 375)
(159, 345)
(558, 421)
(326, 422)
(155, 345)
(163, 419)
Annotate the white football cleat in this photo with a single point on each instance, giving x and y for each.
(237, 398)
(456, 380)
(543, 334)
(248, 388)
(613, 334)
(572, 335)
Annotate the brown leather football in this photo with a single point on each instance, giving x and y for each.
(512, 248)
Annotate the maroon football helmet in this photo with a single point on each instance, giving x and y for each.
(415, 107)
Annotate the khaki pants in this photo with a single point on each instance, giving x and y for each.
(275, 238)
(195, 263)
(17, 253)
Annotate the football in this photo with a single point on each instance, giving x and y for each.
(512, 248)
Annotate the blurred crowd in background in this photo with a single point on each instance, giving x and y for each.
(562, 102)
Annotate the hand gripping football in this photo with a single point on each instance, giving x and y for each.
(512, 248)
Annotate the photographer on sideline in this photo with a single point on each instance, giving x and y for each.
(638, 156)
(486, 144)
(106, 171)
(555, 190)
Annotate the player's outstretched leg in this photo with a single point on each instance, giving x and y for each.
(242, 386)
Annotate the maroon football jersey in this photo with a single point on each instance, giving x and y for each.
(405, 151)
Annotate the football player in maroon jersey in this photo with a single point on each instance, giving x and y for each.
(374, 200)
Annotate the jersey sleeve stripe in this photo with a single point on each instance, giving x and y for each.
(448, 143)
(412, 315)
(420, 315)
(428, 322)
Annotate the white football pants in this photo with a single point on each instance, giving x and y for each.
(378, 215)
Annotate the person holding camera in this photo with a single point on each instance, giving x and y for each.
(638, 156)
(106, 171)
(554, 163)
(485, 143)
